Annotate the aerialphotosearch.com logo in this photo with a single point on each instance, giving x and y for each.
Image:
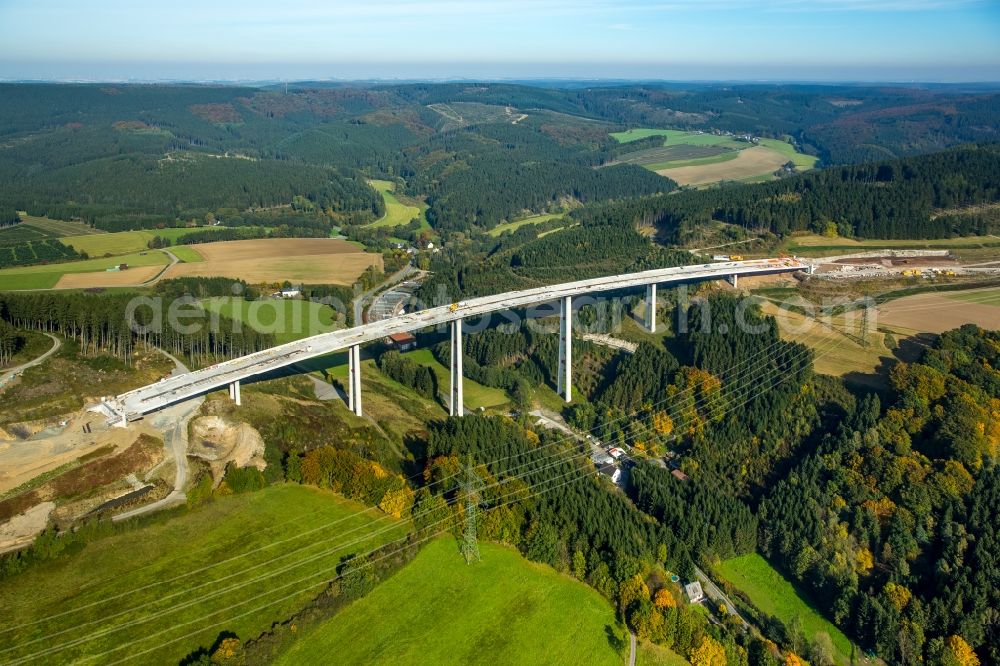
(593, 314)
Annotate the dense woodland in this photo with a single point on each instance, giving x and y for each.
(102, 324)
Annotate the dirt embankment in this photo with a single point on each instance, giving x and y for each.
(21, 530)
(83, 484)
(219, 442)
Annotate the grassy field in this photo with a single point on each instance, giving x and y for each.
(772, 594)
(440, 610)
(984, 297)
(131, 573)
(476, 395)
(187, 253)
(123, 242)
(693, 158)
(650, 654)
(58, 228)
(288, 319)
(517, 224)
(700, 161)
(814, 244)
(802, 161)
(396, 212)
(46, 276)
(678, 137)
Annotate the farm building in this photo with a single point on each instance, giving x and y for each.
(402, 341)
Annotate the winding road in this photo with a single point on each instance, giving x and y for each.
(174, 423)
(13, 372)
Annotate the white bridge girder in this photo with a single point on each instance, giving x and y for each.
(134, 404)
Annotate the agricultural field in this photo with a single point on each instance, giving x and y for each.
(57, 228)
(774, 595)
(694, 158)
(942, 311)
(836, 343)
(276, 546)
(748, 163)
(814, 244)
(440, 610)
(525, 221)
(124, 242)
(274, 260)
(476, 395)
(90, 272)
(288, 319)
(396, 212)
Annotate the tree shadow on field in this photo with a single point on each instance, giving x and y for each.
(203, 655)
(615, 639)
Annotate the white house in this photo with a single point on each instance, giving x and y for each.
(694, 592)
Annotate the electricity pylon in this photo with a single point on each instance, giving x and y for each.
(471, 487)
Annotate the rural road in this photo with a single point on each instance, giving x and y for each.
(159, 276)
(10, 374)
(714, 593)
(173, 421)
(359, 300)
(631, 642)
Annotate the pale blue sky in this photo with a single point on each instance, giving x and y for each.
(900, 40)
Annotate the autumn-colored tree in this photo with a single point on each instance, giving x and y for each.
(662, 423)
(961, 652)
(664, 598)
(229, 653)
(709, 652)
(632, 590)
(897, 595)
(792, 659)
(397, 503)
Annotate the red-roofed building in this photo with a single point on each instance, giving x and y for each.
(402, 341)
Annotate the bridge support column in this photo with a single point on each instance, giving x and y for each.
(651, 308)
(734, 280)
(456, 406)
(564, 380)
(354, 379)
(234, 392)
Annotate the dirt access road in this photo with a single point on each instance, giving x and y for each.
(10, 374)
(173, 422)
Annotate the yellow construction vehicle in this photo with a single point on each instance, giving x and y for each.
(453, 307)
(736, 257)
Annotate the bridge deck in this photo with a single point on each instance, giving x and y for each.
(181, 387)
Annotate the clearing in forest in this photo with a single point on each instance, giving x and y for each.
(774, 595)
(750, 162)
(440, 610)
(274, 260)
(396, 212)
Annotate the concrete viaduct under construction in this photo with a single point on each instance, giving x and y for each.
(134, 404)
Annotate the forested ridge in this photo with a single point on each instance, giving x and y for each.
(897, 199)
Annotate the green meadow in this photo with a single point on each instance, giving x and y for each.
(440, 610)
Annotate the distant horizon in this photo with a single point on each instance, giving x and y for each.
(528, 80)
(940, 41)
